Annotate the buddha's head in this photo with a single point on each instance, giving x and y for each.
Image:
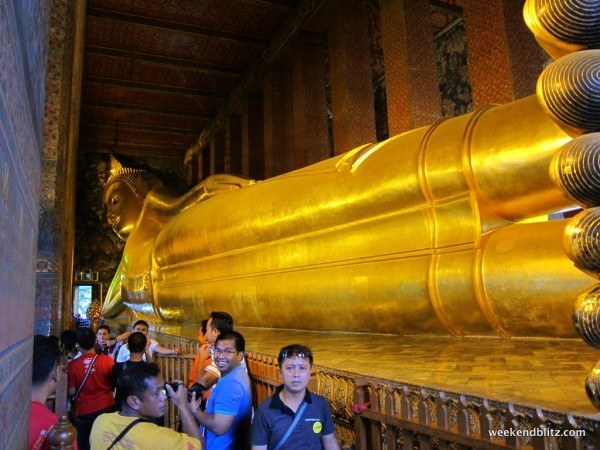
(124, 195)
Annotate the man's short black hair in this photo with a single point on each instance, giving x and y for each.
(222, 321)
(86, 338)
(141, 322)
(133, 381)
(68, 340)
(46, 356)
(103, 327)
(301, 351)
(240, 342)
(136, 342)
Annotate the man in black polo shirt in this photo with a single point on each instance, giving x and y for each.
(136, 343)
(294, 417)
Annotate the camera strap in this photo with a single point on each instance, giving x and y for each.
(292, 426)
(125, 431)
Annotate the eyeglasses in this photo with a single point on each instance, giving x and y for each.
(218, 351)
(290, 354)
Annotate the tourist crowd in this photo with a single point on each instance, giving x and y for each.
(118, 396)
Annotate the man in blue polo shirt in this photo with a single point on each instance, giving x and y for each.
(294, 417)
(229, 408)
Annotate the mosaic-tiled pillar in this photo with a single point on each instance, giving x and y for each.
(23, 55)
(192, 169)
(198, 164)
(278, 122)
(205, 162)
(217, 153)
(253, 153)
(48, 274)
(395, 59)
(68, 147)
(47, 279)
(488, 56)
(413, 97)
(350, 72)
(311, 136)
(212, 151)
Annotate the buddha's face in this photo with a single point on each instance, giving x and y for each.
(123, 208)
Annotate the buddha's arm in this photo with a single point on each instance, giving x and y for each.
(113, 303)
(164, 201)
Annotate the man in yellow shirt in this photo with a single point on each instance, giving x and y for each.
(141, 395)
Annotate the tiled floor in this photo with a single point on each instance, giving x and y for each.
(542, 373)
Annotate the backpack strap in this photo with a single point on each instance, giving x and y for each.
(87, 374)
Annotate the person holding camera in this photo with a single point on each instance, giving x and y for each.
(142, 395)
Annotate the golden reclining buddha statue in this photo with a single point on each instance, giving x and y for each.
(420, 234)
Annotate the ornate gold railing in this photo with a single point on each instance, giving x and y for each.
(399, 416)
(402, 416)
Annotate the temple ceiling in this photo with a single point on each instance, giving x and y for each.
(160, 75)
(155, 72)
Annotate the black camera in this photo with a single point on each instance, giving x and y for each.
(174, 385)
(196, 387)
